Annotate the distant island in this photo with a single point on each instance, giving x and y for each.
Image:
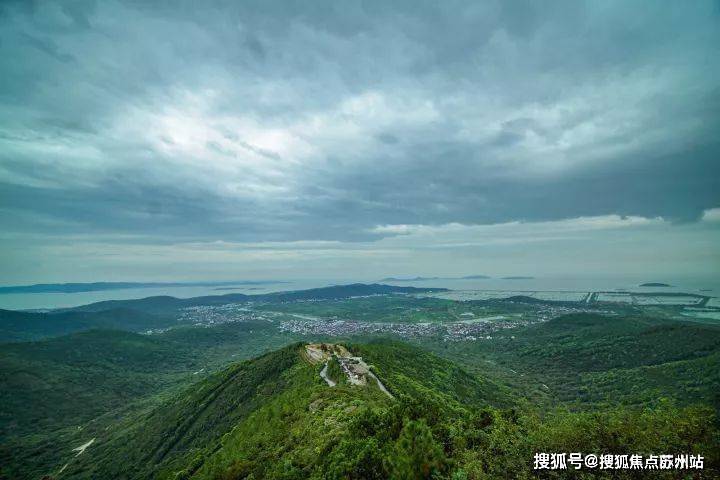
(518, 278)
(103, 286)
(423, 279)
(408, 279)
(238, 288)
(655, 284)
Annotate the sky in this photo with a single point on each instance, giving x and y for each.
(184, 140)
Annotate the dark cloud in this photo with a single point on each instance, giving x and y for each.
(320, 120)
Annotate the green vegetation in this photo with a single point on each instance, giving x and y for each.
(414, 372)
(188, 402)
(273, 417)
(589, 359)
(55, 393)
(334, 371)
(91, 368)
(173, 434)
(24, 326)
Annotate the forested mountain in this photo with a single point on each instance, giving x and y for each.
(274, 417)
(21, 326)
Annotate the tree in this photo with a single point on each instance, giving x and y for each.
(416, 455)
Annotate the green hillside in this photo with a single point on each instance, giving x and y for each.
(70, 379)
(686, 381)
(23, 326)
(55, 392)
(415, 372)
(586, 359)
(274, 417)
(186, 429)
(97, 370)
(191, 423)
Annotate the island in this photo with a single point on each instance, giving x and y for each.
(425, 279)
(410, 279)
(104, 286)
(655, 284)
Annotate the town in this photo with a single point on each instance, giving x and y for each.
(470, 328)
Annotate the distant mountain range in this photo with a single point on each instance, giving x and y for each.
(164, 304)
(468, 277)
(102, 286)
(421, 279)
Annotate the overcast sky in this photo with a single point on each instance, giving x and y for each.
(238, 140)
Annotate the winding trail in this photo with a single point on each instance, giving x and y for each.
(356, 370)
(380, 385)
(323, 374)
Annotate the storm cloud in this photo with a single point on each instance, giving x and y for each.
(178, 122)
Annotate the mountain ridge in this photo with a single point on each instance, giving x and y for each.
(322, 293)
(275, 417)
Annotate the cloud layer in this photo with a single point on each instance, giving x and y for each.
(241, 122)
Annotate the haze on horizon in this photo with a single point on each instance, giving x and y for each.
(266, 140)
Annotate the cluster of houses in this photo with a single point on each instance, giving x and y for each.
(467, 328)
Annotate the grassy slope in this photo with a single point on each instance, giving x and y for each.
(289, 434)
(311, 431)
